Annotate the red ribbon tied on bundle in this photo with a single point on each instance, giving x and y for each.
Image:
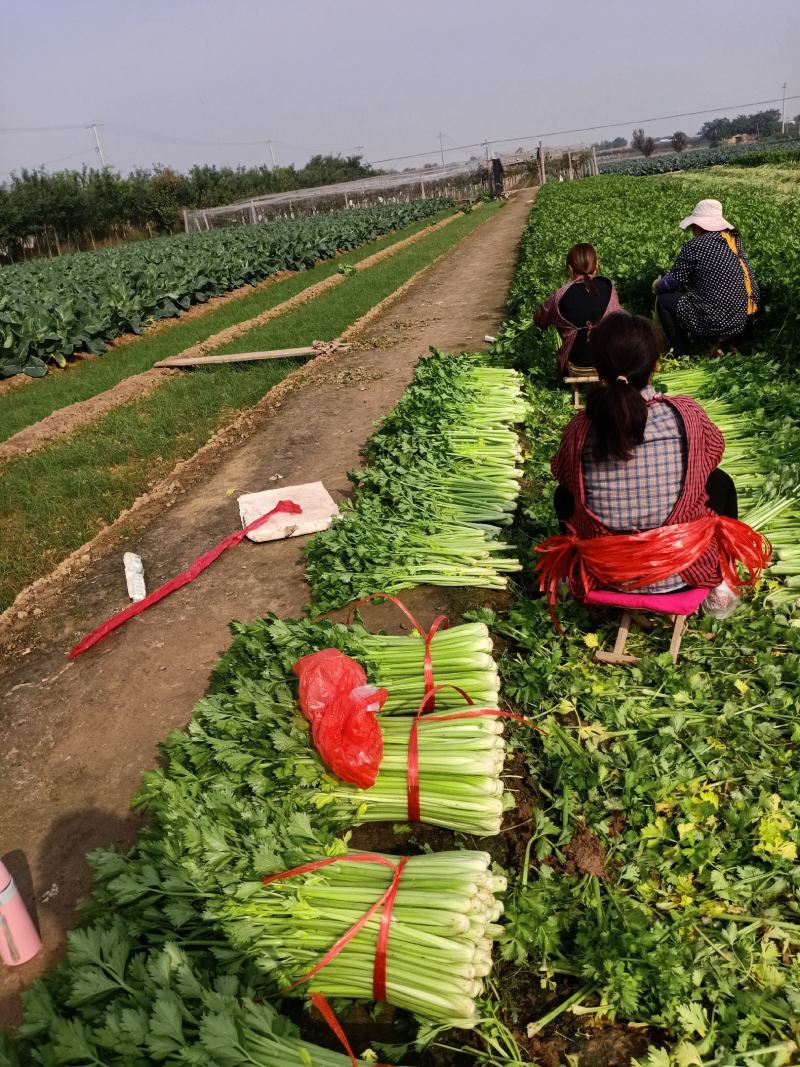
(180, 580)
(385, 901)
(629, 561)
(412, 781)
(439, 623)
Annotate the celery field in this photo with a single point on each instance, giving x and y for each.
(613, 880)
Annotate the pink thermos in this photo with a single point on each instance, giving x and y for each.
(19, 940)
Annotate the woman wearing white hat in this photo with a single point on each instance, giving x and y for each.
(711, 292)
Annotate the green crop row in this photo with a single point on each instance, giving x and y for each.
(50, 308)
(746, 155)
(749, 155)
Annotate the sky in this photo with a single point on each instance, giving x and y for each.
(178, 82)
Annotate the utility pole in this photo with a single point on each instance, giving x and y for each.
(441, 148)
(272, 153)
(99, 146)
(783, 110)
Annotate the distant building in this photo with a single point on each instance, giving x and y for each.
(740, 138)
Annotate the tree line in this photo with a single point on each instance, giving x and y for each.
(758, 124)
(48, 214)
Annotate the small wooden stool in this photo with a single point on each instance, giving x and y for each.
(578, 380)
(679, 606)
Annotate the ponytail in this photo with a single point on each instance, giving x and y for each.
(624, 349)
(618, 414)
(582, 260)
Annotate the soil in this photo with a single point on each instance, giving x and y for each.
(70, 418)
(76, 736)
(585, 855)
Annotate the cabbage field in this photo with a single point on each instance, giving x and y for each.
(50, 308)
(618, 886)
(745, 155)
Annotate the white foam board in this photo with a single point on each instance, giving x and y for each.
(319, 509)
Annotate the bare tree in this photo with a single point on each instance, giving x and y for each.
(642, 143)
(679, 141)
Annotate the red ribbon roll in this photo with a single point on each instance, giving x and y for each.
(178, 582)
(630, 561)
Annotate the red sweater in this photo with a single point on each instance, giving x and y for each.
(705, 446)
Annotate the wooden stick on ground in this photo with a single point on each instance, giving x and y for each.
(317, 349)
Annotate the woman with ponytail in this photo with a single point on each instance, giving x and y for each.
(637, 460)
(576, 307)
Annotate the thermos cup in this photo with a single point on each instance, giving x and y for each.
(19, 940)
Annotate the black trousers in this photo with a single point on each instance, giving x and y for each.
(719, 487)
(677, 336)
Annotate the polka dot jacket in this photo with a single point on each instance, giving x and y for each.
(715, 297)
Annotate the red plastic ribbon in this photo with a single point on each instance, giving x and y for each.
(385, 901)
(327, 1013)
(189, 575)
(629, 561)
(412, 774)
(439, 623)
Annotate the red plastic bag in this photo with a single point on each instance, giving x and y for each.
(323, 676)
(341, 708)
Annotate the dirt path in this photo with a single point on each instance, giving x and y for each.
(76, 737)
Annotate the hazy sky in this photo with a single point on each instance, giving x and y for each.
(387, 75)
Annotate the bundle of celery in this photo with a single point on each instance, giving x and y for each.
(460, 776)
(442, 481)
(248, 752)
(762, 455)
(461, 656)
(439, 950)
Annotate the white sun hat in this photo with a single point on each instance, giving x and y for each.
(708, 216)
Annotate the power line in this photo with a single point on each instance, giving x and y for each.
(61, 159)
(588, 129)
(40, 129)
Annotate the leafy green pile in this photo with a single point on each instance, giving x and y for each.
(663, 873)
(756, 409)
(50, 308)
(443, 480)
(132, 1005)
(745, 155)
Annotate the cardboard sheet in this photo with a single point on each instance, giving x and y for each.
(319, 509)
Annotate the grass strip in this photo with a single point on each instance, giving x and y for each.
(58, 498)
(21, 408)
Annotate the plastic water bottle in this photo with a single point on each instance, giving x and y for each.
(134, 576)
(19, 938)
